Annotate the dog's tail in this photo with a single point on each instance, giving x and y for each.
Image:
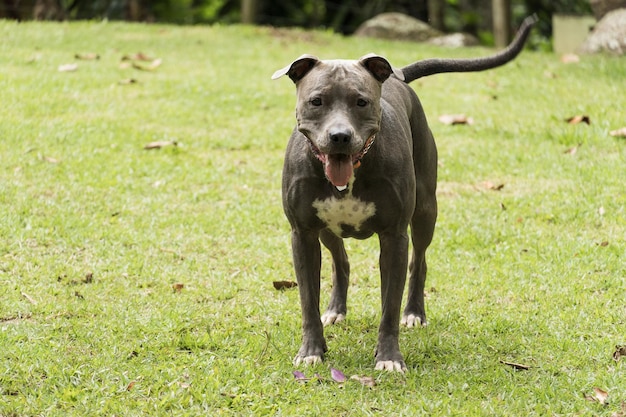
(435, 66)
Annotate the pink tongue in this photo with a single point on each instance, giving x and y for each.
(338, 169)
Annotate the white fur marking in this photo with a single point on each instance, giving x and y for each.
(348, 210)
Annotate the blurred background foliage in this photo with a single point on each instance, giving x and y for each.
(341, 16)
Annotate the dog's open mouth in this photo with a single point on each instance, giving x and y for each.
(338, 169)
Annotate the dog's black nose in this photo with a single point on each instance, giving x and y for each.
(340, 136)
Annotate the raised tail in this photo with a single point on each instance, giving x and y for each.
(435, 66)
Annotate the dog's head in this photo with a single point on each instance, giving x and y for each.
(338, 108)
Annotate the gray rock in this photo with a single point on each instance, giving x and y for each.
(397, 26)
(455, 40)
(609, 35)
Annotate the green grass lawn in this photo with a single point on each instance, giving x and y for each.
(139, 282)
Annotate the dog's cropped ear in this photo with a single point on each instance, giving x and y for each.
(298, 68)
(380, 68)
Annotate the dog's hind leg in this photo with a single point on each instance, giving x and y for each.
(337, 307)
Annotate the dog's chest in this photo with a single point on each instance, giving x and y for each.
(344, 216)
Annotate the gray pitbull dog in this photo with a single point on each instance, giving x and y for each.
(362, 160)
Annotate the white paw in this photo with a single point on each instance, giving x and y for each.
(332, 318)
(412, 321)
(307, 360)
(393, 366)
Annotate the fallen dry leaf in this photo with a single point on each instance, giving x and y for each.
(518, 366)
(368, 381)
(128, 81)
(282, 285)
(491, 186)
(456, 119)
(581, 118)
(130, 385)
(68, 67)
(572, 150)
(599, 396)
(620, 351)
(87, 57)
(549, 74)
(139, 56)
(603, 244)
(570, 59)
(150, 67)
(50, 160)
(619, 133)
(160, 144)
(178, 287)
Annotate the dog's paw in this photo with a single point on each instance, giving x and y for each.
(307, 360)
(330, 317)
(394, 366)
(412, 320)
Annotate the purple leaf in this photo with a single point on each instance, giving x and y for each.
(337, 375)
(300, 377)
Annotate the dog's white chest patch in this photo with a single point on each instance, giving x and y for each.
(348, 211)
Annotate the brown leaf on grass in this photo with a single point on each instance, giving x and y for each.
(456, 119)
(130, 385)
(573, 150)
(570, 59)
(68, 67)
(50, 160)
(578, 119)
(128, 81)
(150, 67)
(90, 56)
(368, 381)
(492, 186)
(283, 285)
(518, 366)
(178, 287)
(619, 133)
(620, 351)
(139, 56)
(603, 244)
(160, 144)
(549, 74)
(599, 396)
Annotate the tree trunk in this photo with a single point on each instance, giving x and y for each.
(435, 14)
(248, 11)
(501, 10)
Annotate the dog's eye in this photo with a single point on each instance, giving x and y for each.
(361, 102)
(316, 101)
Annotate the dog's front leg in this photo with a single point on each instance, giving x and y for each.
(394, 250)
(307, 260)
